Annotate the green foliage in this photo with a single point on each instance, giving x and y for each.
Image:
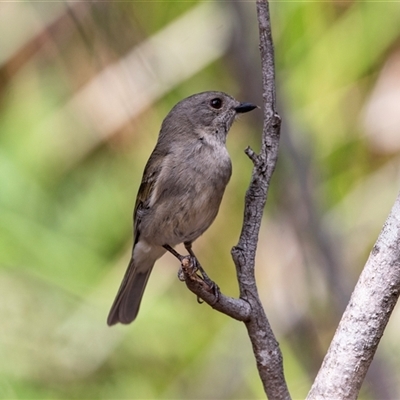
(67, 191)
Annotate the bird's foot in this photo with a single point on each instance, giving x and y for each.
(189, 267)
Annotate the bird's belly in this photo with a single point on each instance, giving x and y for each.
(184, 211)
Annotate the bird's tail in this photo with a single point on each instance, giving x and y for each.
(127, 302)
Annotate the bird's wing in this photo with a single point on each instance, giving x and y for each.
(150, 175)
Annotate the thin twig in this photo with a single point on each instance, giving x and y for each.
(235, 308)
(265, 347)
(248, 307)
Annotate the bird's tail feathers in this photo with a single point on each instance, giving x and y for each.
(127, 302)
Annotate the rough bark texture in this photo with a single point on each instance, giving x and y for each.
(248, 307)
(363, 323)
(366, 316)
(266, 349)
(209, 292)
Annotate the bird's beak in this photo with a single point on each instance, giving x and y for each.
(245, 107)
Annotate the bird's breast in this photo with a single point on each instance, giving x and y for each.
(187, 195)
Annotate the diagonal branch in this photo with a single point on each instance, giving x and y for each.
(367, 314)
(209, 292)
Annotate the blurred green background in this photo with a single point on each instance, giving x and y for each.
(84, 87)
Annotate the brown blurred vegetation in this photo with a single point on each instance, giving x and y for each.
(84, 87)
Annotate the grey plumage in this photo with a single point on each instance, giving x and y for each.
(181, 190)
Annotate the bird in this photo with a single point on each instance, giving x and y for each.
(181, 190)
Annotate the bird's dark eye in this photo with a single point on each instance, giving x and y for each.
(216, 103)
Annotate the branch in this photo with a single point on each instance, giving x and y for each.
(265, 347)
(248, 307)
(367, 314)
(209, 292)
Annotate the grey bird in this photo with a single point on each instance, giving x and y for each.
(181, 190)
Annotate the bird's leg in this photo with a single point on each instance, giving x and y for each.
(173, 252)
(195, 261)
(188, 247)
(167, 247)
(196, 267)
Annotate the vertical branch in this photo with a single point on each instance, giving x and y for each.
(248, 307)
(266, 349)
(377, 291)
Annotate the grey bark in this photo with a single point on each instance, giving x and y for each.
(364, 321)
(362, 325)
(248, 307)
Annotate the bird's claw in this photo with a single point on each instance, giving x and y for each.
(181, 275)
